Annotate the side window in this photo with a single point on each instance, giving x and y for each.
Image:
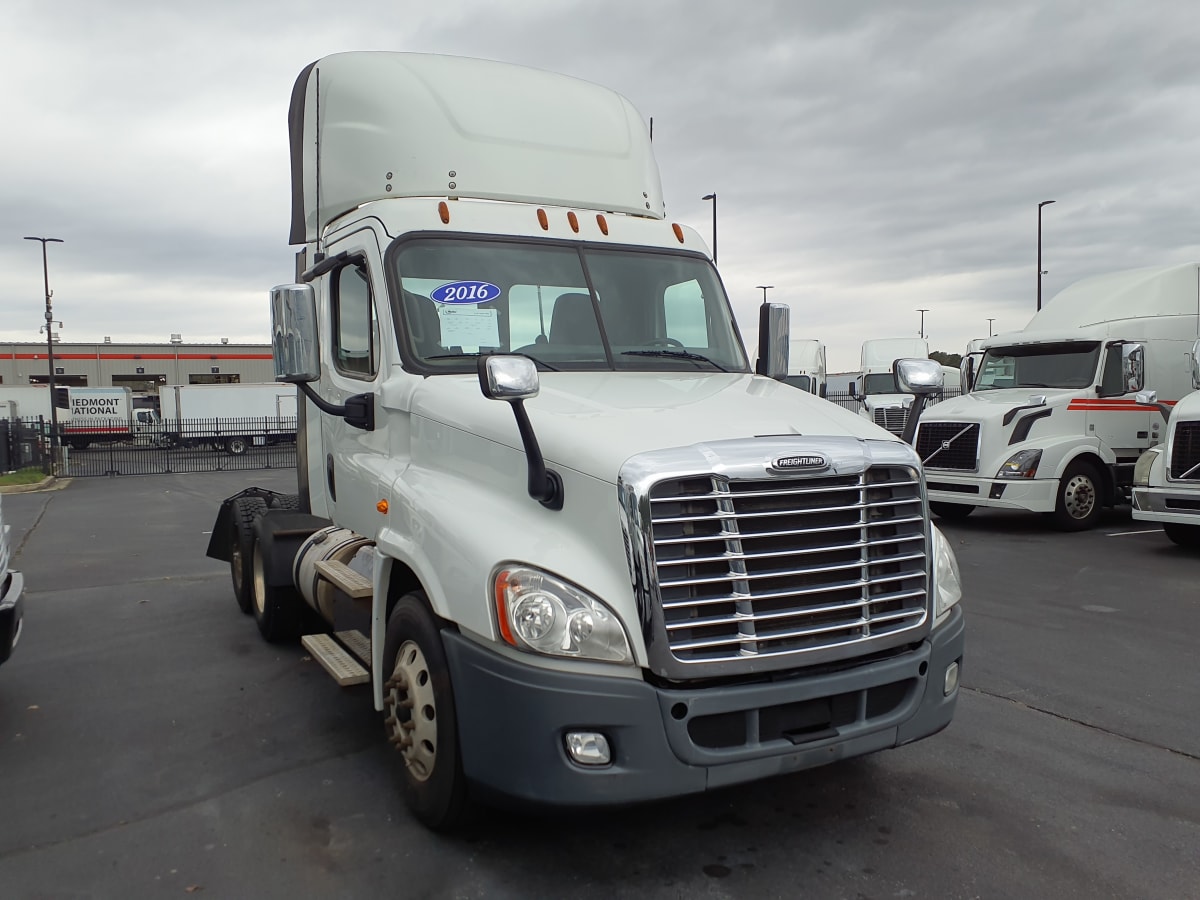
(355, 328)
(1112, 383)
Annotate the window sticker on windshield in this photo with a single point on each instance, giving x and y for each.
(465, 292)
(469, 329)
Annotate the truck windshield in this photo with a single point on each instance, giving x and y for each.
(565, 306)
(881, 383)
(1065, 365)
(804, 382)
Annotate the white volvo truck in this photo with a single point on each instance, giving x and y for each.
(1052, 423)
(1166, 479)
(581, 554)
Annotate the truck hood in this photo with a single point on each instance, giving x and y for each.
(593, 422)
(993, 406)
(887, 401)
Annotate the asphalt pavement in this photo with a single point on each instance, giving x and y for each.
(151, 745)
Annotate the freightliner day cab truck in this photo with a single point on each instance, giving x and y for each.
(1166, 478)
(884, 401)
(806, 366)
(582, 554)
(1052, 423)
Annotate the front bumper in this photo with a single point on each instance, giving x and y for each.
(512, 719)
(1180, 505)
(11, 611)
(1032, 494)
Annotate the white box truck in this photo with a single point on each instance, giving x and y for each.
(1166, 478)
(806, 366)
(86, 415)
(580, 552)
(1052, 424)
(230, 417)
(882, 400)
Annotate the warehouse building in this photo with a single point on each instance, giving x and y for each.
(143, 368)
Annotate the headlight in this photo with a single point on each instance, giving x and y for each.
(543, 614)
(1022, 464)
(947, 580)
(1141, 469)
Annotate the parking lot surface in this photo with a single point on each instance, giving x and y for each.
(151, 745)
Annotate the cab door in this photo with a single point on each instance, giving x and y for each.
(354, 458)
(1114, 418)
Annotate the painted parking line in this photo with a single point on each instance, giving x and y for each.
(1127, 533)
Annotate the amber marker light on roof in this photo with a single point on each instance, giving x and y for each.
(543, 220)
(573, 221)
(678, 232)
(603, 223)
(444, 212)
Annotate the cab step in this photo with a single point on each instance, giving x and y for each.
(345, 579)
(335, 659)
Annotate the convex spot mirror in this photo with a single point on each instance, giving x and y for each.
(918, 376)
(294, 340)
(509, 378)
(1196, 365)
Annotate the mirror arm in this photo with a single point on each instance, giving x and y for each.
(914, 414)
(358, 410)
(545, 485)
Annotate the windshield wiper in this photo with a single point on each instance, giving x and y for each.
(538, 362)
(676, 354)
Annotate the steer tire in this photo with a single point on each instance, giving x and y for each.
(1187, 536)
(951, 511)
(244, 512)
(236, 446)
(420, 718)
(1080, 497)
(279, 610)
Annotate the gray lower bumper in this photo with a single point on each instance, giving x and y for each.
(512, 719)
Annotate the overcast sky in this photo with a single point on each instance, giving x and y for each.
(869, 158)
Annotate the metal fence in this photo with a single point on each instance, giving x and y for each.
(118, 447)
(23, 445)
(854, 404)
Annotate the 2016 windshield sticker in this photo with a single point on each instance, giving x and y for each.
(465, 292)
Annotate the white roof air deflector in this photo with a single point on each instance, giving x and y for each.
(418, 125)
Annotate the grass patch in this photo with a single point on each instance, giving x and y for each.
(22, 476)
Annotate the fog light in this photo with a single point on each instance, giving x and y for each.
(588, 748)
(951, 683)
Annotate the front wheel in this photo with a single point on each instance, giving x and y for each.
(419, 715)
(1187, 536)
(1080, 498)
(236, 445)
(952, 511)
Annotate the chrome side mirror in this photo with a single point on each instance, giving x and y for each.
(294, 338)
(918, 376)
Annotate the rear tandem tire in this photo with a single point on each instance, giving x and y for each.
(279, 610)
(244, 512)
(420, 716)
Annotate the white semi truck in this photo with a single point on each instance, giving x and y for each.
(580, 552)
(232, 417)
(1166, 478)
(883, 400)
(1052, 423)
(12, 585)
(806, 366)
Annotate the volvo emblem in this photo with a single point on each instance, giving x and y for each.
(810, 462)
(945, 445)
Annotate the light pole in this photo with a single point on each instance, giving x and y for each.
(1039, 260)
(713, 198)
(49, 340)
(764, 288)
(990, 321)
(922, 331)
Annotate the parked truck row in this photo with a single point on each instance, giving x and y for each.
(580, 552)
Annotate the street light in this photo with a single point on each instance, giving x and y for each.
(764, 288)
(1040, 273)
(713, 198)
(49, 340)
(922, 331)
(990, 321)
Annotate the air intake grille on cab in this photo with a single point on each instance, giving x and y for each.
(1185, 451)
(949, 445)
(774, 567)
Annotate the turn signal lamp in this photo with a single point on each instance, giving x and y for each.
(444, 212)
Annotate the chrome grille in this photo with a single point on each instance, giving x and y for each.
(1185, 451)
(892, 418)
(772, 567)
(949, 445)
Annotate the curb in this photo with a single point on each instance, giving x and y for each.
(49, 483)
